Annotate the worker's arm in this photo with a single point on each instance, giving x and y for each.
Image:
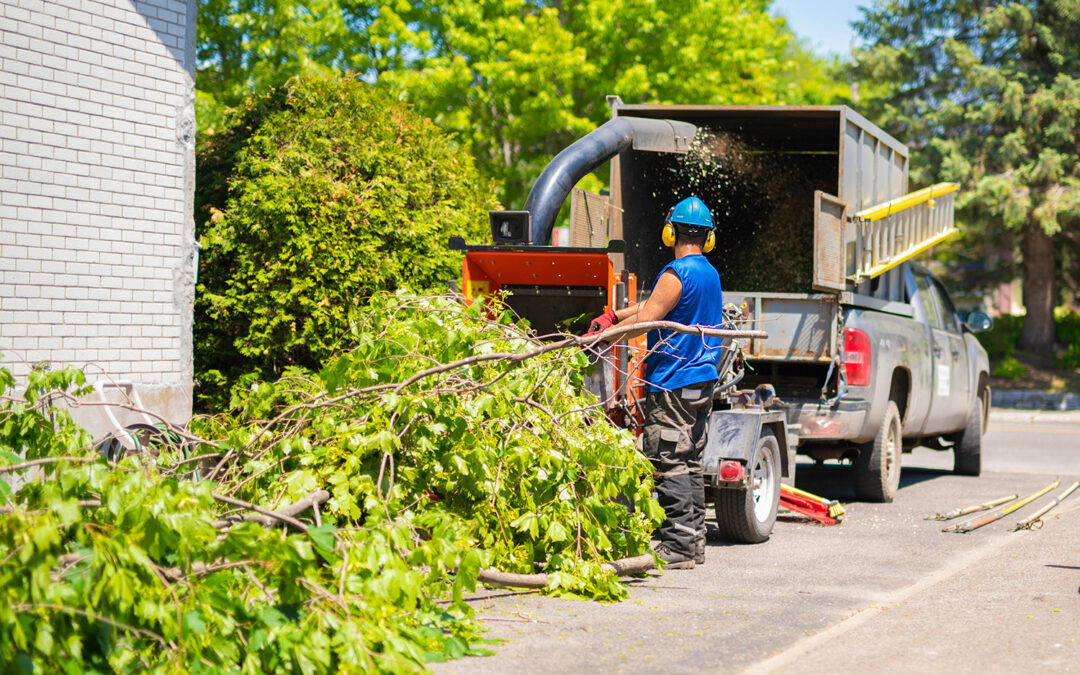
(665, 296)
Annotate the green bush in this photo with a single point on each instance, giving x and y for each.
(1070, 359)
(1009, 368)
(316, 195)
(1067, 325)
(1000, 341)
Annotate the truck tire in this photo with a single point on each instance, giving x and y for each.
(875, 472)
(967, 447)
(747, 516)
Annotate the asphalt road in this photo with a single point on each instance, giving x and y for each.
(885, 591)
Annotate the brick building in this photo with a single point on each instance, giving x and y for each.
(97, 250)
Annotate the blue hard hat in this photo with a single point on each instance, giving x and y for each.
(691, 212)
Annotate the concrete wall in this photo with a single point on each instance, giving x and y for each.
(96, 184)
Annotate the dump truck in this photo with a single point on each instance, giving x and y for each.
(864, 358)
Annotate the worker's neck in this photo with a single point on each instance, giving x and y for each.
(683, 249)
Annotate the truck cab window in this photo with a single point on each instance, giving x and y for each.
(928, 301)
(948, 312)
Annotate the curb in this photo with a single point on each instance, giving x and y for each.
(1034, 400)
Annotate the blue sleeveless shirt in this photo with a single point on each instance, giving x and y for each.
(686, 359)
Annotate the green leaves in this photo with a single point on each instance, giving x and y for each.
(513, 80)
(429, 483)
(988, 94)
(317, 195)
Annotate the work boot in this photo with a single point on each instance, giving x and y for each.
(699, 548)
(672, 559)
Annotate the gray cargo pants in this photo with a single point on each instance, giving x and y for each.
(676, 424)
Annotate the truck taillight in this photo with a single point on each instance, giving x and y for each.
(857, 357)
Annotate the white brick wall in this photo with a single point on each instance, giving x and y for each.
(95, 187)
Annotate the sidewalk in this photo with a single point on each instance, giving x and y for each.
(1018, 416)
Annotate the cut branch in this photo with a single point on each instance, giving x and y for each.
(621, 567)
(266, 516)
(46, 460)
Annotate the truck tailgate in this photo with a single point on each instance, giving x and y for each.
(801, 327)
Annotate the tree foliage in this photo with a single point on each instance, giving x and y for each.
(320, 193)
(520, 80)
(987, 93)
(440, 457)
(516, 80)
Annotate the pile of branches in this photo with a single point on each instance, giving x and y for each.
(329, 520)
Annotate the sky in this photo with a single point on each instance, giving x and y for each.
(824, 23)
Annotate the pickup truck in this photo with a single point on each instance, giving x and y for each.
(863, 355)
(913, 375)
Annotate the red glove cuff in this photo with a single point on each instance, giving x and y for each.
(602, 323)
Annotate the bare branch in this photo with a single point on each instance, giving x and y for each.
(621, 567)
(47, 460)
(284, 515)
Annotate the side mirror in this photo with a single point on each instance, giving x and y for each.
(978, 322)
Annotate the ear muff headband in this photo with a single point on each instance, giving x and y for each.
(668, 237)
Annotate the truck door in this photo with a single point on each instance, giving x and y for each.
(947, 398)
(957, 357)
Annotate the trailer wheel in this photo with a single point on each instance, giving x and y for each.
(875, 472)
(747, 516)
(967, 449)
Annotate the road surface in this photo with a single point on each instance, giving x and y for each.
(885, 591)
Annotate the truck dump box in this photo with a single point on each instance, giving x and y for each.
(811, 210)
(786, 185)
(779, 180)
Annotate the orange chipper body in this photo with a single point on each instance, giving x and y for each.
(556, 276)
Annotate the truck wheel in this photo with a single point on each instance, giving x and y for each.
(967, 448)
(875, 472)
(747, 516)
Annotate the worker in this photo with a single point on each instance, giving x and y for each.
(680, 375)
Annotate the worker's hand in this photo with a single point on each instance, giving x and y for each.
(602, 323)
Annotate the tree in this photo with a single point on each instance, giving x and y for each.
(248, 46)
(987, 93)
(518, 80)
(318, 194)
(514, 80)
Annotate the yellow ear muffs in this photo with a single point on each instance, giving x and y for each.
(710, 241)
(668, 235)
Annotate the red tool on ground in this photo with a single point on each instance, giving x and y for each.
(820, 509)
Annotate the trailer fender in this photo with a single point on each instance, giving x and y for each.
(734, 434)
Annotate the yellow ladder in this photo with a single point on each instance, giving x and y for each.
(890, 233)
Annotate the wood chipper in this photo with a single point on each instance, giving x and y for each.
(779, 180)
(551, 286)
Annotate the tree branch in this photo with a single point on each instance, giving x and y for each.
(621, 567)
(47, 460)
(27, 607)
(284, 515)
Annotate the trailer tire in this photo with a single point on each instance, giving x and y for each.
(967, 448)
(875, 472)
(747, 516)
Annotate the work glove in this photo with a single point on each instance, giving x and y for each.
(602, 323)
